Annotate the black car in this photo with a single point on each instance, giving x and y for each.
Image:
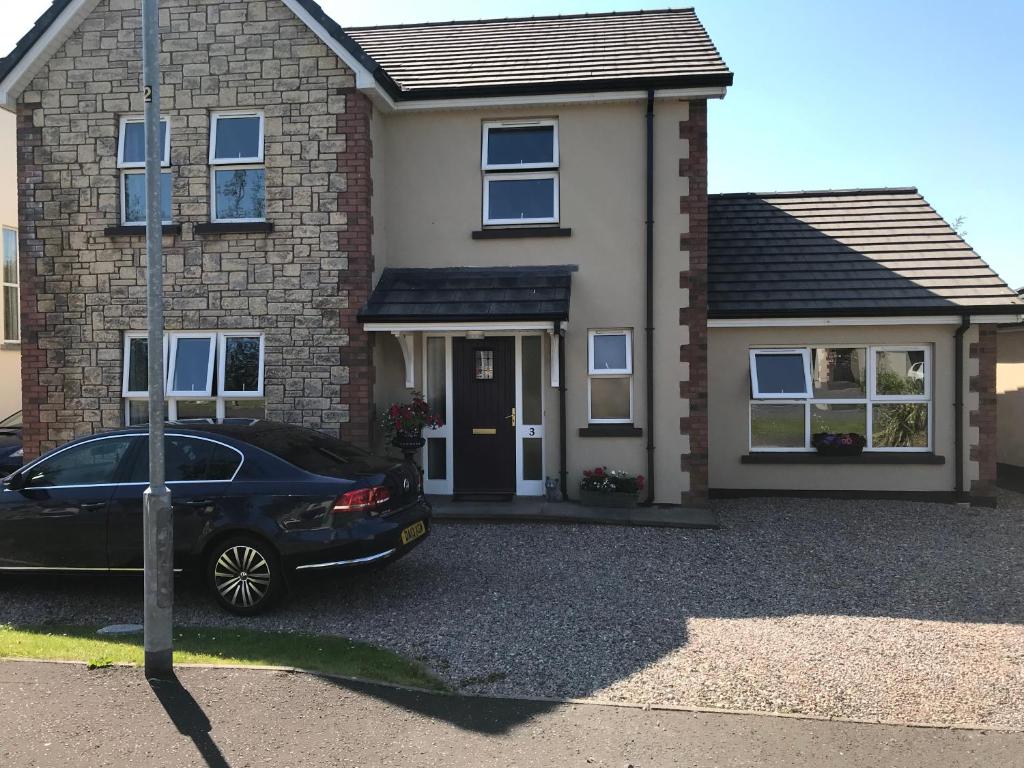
(253, 503)
(10, 444)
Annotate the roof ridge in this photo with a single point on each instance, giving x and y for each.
(819, 192)
(549, 17)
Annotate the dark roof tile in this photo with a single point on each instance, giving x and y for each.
(842, 252)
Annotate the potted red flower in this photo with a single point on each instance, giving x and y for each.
(839, 444)
(403, 424)
(603, 487)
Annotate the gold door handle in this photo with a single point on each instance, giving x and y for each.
(484, 431)
(512, 416)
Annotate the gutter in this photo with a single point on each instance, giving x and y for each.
(563, 472)
(958, 404)
(649, 268)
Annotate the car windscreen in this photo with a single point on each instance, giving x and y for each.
(318, 453)
(12, 422)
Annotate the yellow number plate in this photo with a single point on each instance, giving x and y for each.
(413, 532)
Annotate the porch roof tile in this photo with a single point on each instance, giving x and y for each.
(470, 293)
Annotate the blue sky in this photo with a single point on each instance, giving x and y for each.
(831, 95)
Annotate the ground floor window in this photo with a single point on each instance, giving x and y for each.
(208, 375)
(610, 383)
(882, 393)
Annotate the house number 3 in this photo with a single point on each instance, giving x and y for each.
(533, 431)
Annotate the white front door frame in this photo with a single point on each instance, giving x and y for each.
(445, 486)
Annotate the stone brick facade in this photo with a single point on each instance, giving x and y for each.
(984, 351)
(694, 280)
(301, 284)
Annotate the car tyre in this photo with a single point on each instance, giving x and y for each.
(244, 575)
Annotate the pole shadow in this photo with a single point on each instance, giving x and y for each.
(189, 718)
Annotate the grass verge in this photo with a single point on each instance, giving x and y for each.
(243, 647)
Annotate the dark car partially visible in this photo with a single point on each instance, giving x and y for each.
(10, 444)
(254, 502)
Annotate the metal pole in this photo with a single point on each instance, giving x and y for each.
(157, 521)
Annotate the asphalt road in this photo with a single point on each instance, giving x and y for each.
(59, 714)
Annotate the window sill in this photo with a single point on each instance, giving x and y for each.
(10, 345)
(868, 457)
(505, 233)
(139, 229)
(611, 430)
(233, 227)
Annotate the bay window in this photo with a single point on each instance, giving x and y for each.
(237, 175)
(520, 164)
(610, 369)
(131, 159)
(209, 375)
(880, 392)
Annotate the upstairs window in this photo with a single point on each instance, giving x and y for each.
(131, 159)
(520, 164)
(238, 176)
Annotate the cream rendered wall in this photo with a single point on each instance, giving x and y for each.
(10, 354)
(729, 395)
(1010, 397)
(427, 169)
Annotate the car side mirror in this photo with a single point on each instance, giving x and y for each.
(14, 482)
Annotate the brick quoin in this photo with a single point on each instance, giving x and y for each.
(984, 384)
(357, 284)
(695, 316)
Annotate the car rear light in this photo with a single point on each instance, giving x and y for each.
(363, 499)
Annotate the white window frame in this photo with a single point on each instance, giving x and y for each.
(215, 117)
(207, 392)
(222, 352)
(15, 285)
(755, 386)
(592, 335)
(873, 382)
(869, 400)
(165, 158)
(498, 124)
(213, 193)
(605, 373)
(124, 197)
(488, 178)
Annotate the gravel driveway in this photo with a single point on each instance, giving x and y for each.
(895, 611)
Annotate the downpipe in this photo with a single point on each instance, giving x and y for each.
(958, 405)
(649, 269)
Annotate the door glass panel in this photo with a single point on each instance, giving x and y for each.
(609, 398)
(437, 385)
(241, 363)
(192, 365)
(484, 365)
(532, 380)
(839, 373)
(437, 458)
(92, 463)
(533, 464)
(777, 425)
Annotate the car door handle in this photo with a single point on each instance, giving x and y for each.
(92, 506)
(196, 503)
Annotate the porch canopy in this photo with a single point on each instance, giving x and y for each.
(487, 299)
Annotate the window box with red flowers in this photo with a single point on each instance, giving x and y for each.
(603, 487)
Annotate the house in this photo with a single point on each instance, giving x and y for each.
(1010, 405)
(10, 315)
(510, 216)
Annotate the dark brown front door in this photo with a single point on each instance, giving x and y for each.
(484, 394)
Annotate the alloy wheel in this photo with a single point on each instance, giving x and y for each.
(242, 576)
